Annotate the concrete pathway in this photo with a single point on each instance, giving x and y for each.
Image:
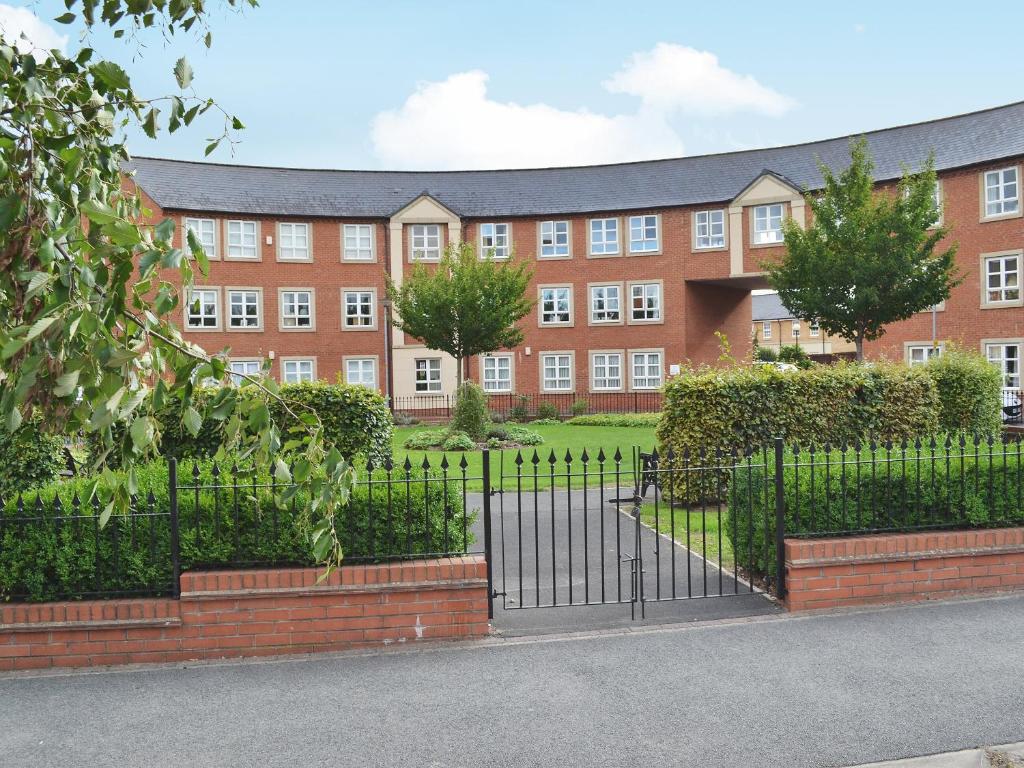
(1003, 756)
(796, 692)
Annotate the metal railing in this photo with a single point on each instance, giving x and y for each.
(528, 406)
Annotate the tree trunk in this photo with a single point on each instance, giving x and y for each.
(859, 342)
(458, 373)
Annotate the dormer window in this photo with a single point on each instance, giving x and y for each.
(768, 224)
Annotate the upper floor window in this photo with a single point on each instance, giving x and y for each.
(293, 241)
(244, 309)
(814, 329)
(425, 241)
(556, 305)
(766, 330)
(357, 242)
(296, 309)
(646, 301)
(646, 370)
(428, 374)
(605, 304)
(643, 234)
(796, 329)
(203, 309)
(361, 370)
(242, 240)
(1002, 193)
(239, 369)
(359, 309)
(494, 238)
(205, 231)
(554, 239)
(919, 354)
(1002, 278)
(709, 229)
(297, 371)
(604, 236)
(768, 224)
(497, 375)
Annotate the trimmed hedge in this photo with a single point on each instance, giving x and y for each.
(970, 392)
(29, 458)
(900, 495)
(69, 559)
(616, 420)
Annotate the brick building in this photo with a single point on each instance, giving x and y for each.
(636, 265)
(775, 326)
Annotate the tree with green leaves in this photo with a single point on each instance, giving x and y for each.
(466, 306)
(87, 344)
(867, 257)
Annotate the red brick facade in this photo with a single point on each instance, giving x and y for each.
(230, 614)
(898, 568)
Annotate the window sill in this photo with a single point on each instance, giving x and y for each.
(1001, 217)
(358, 328)
(284, 329)
(604, 322)
(243, 258)
(555, 258)
(660, 321)
(711, 249)
(1016, 303)
(244, 330)
(294, 261)
(777, 244)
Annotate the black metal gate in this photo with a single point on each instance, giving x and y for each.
(599, 528)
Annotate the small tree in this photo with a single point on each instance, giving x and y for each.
(466, 306)
(866, 258)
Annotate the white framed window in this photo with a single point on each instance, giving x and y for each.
(359, 309)
(556, 372)
(554, 239)
(243, 239)
(709, 229)
(1002, 278)
(297, 370)
(1007, 358)
(245, 310)
(796, 329)
(604, 237)
(240, 368)
(646, 370)
(296, 309)
(361, 371)
(425, 242)
(203, 309)
(919, 354)
(357, 242)
(205, 231)
(293, 241)
(1002, 192)
(768, 224)
(814, 329)
(606, 370)
(428, 374)
(495, 237)
(643, 234)
(606, 303)
(645, 302)
(766, 330)
(555, 305)
(497, 373)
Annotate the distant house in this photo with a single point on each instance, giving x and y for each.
(774, 326)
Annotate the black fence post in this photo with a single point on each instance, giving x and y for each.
(780, 522)
(488, 550)
(172, 492)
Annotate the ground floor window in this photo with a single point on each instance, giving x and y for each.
(297, 371)
(646, 370)
(361, 371)
(607, 370)
(557, 370)
(919, 354)
(428, 374)
(498, 373)
(240, 368)
(1007, 357)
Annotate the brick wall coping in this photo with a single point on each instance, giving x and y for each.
(897, 547)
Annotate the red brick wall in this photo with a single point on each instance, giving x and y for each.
(897, 568)
(226, 614)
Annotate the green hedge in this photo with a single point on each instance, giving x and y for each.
(970, 392)
(50, 561)
(616, 420)
(884, 495)
(29, 458)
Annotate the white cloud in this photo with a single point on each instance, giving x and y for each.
(674, 77)
(16, 22)
(454, 124)
(859, 28)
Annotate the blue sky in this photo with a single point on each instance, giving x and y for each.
(471, 84)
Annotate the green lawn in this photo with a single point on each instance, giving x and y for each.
(704, 530)
(558, 438)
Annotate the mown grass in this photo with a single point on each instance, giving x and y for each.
(706, 530)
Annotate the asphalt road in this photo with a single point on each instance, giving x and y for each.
(827, 690)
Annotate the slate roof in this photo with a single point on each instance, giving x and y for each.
(958, 141)
(768, 306)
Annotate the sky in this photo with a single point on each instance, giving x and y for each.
(439, 85)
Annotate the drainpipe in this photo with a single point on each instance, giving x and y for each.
(389, 383)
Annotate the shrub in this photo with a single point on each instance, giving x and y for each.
(524, 436)
(497, 417)
(470, 413)
(29, 458)
(547, 410)
(546, 422)
(795, 355)
(970, 392)
(497, 432)
(425, 439)
(579, 407)
(493, 442)
(897, 495)
(50, 560)
(403, 419)
(458, 441)
(519, 412)
(765, 355)
(616, 420)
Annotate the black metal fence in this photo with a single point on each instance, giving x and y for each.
(1013, 406)
(528, 406)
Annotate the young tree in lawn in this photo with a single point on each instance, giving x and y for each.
(867, 258)
(87, 343)
(466, 306)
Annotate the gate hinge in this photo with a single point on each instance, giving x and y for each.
(496, 491)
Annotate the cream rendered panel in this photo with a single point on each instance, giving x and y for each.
(766, 189)
(422, 210)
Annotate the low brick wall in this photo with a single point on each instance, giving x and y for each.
(224, 614)
(896, 568)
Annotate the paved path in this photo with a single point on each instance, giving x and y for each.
(811, 692)
(573, 546)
